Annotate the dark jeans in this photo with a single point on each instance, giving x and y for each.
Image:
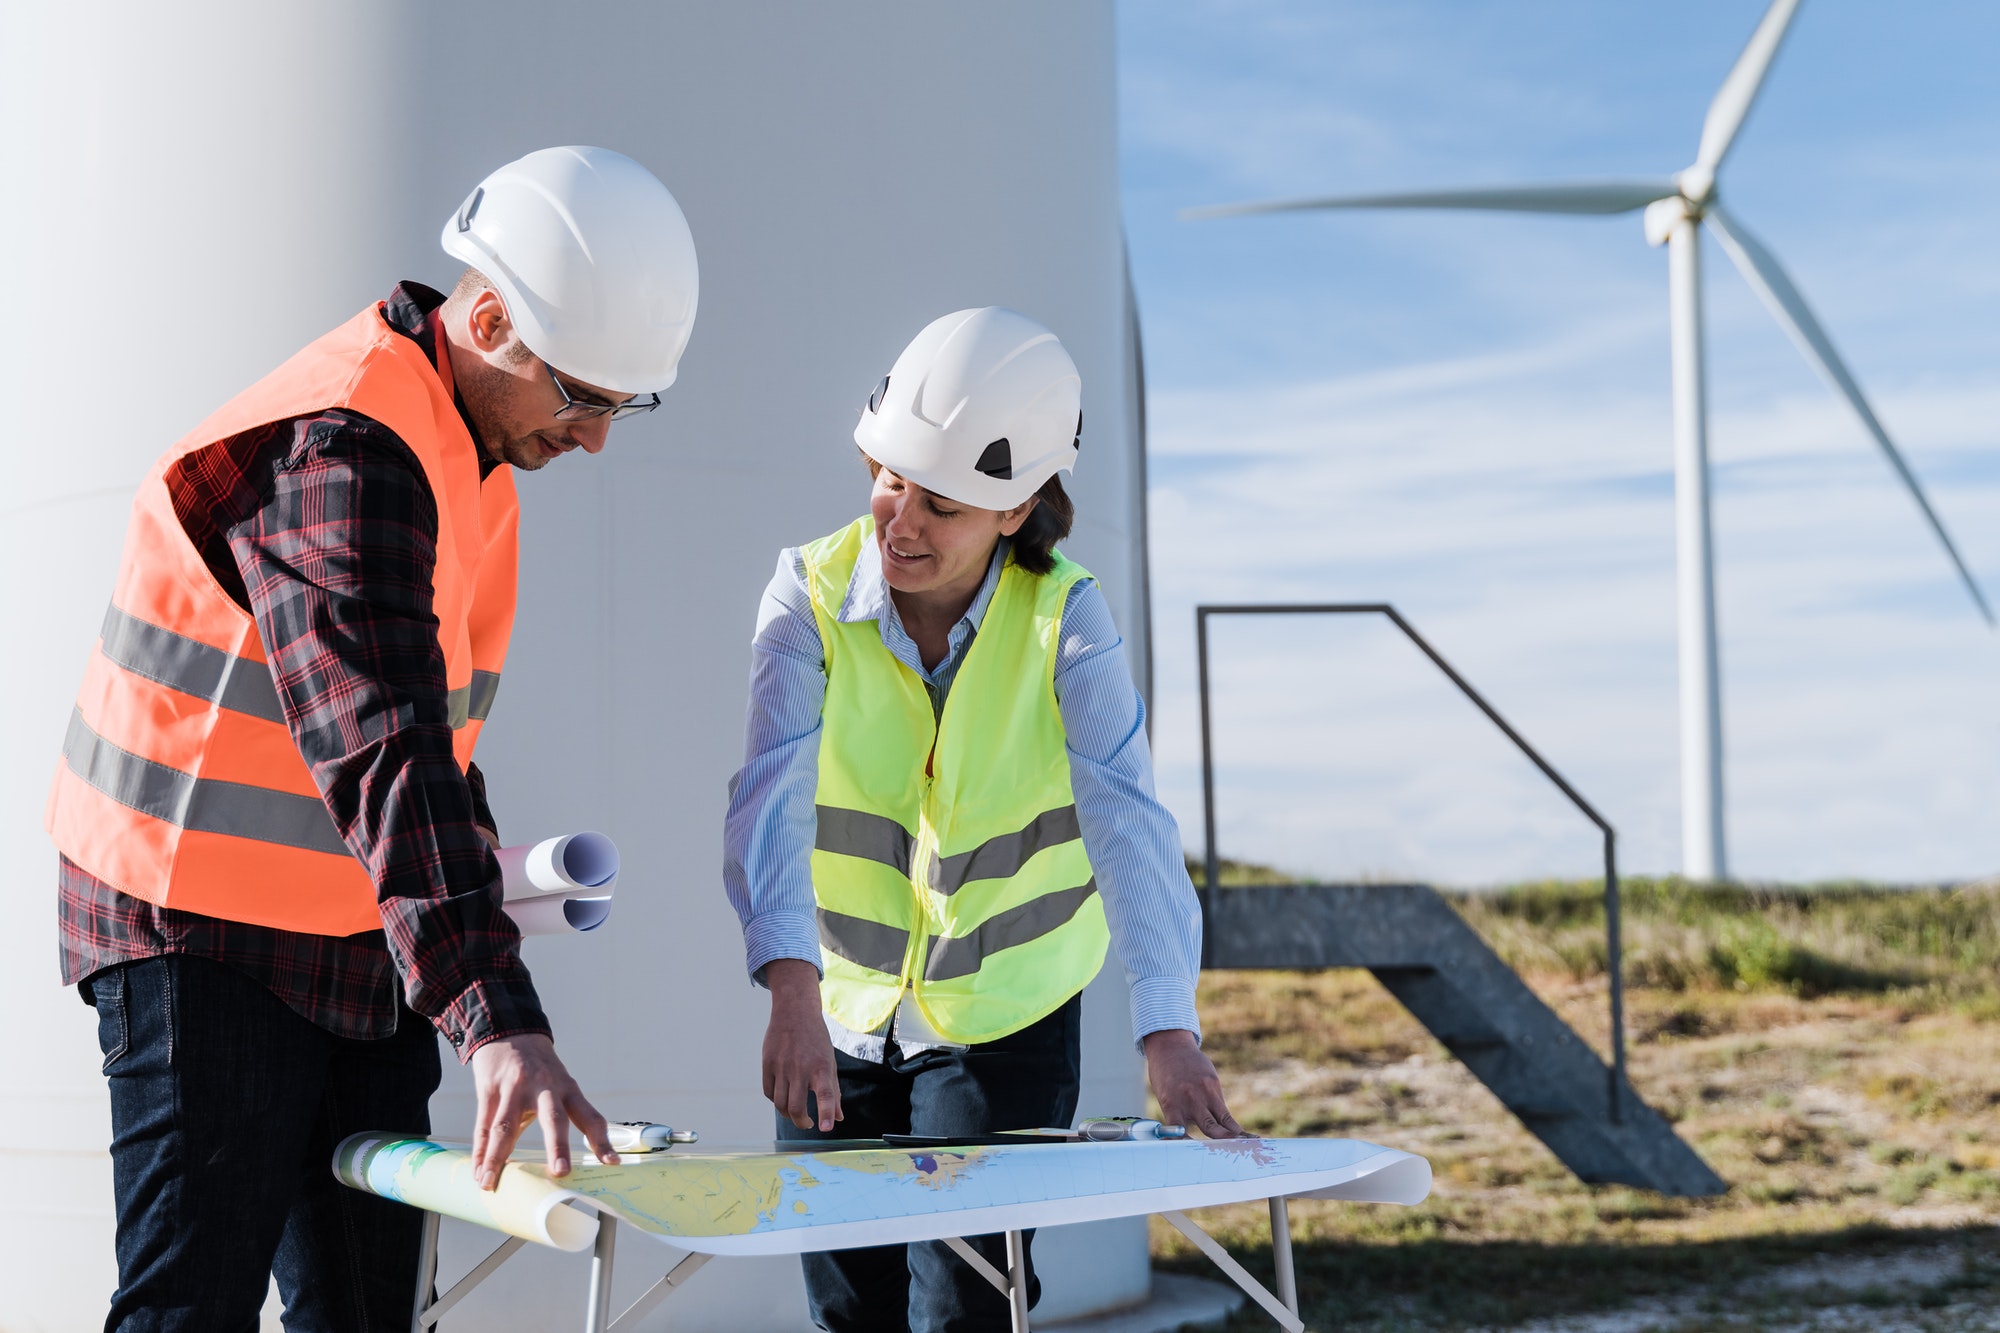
(225, 1109)
(1025, 1080)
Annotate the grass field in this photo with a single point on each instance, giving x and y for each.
(1832, 1052)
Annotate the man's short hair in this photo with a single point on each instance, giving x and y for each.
(470, 284)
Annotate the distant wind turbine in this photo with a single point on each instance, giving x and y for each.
(1675, 209)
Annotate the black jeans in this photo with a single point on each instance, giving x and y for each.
(1025, 1080)
(225, 1109)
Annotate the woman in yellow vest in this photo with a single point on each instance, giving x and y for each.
(946, 816)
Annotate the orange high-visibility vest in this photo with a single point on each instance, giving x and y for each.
(179, 781)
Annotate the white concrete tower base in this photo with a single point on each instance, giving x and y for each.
(197, 190)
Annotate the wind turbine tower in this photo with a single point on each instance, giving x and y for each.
(1675, 209)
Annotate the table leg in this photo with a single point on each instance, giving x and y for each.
(994, 1276)
(600, 1274)
(1017, 1280)
(1252, 1288)
(441, 1305)
(427, 1264)
(1281, 1254)
(659, 1291)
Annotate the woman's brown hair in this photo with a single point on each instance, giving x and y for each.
(1048, 523)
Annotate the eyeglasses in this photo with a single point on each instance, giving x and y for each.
(574, 409)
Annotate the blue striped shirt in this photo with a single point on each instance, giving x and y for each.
(1133, 843)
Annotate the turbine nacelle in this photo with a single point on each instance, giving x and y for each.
(1697, 185)
(1662, 216)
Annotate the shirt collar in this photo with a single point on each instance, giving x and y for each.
(868, 592)
(408, 312)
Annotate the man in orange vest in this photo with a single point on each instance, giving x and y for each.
(277, 877)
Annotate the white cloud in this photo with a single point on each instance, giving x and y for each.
(1517, 502)
(1523, 521)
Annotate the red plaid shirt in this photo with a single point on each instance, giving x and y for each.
(324, 528)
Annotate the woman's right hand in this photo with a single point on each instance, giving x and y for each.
(798, 1054)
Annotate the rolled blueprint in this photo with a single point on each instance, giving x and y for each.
(438, 1179)
(571, 865)
(552, 914)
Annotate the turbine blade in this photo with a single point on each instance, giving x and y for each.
(1768, 278)
(1739, 91)
(1601, 197)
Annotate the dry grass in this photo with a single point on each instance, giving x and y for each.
(1829, 1054)
(1926, 947)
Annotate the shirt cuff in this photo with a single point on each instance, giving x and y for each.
(1160, 1004)
(482, 813)
(489, 1010)
(780, 935)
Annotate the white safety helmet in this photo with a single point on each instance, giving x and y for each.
(594, 261)
(983, 407)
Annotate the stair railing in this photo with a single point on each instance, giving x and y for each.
(1211, 863)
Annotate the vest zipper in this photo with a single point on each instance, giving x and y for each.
(927, 850)
(921, 855)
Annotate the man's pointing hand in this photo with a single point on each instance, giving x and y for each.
(520, 1079)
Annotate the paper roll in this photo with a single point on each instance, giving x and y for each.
(552, 914)
(438, 1178)
(572, 864)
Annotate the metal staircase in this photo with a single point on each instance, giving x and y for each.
(1428, 958)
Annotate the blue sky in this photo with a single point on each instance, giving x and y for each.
(1467, 415)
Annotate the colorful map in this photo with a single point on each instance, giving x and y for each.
(779, 1202)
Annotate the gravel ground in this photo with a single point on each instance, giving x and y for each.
(1906, 1292)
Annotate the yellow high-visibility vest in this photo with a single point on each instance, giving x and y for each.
(948, 860)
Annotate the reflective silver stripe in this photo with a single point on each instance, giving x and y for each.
(192, 667)
(485, 684)
(203, 804)
(1002, 856)
(858, 833)
(864, 943)
(950, 958)
(471, 703)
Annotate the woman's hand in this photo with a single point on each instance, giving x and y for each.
(798, 1055)
(1185, 1082)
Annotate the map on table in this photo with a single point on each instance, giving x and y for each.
(862, 1193)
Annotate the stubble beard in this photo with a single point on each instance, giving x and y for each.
(485, 406)
(525, 454)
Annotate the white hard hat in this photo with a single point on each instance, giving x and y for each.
(983, 407)
(594, 261)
